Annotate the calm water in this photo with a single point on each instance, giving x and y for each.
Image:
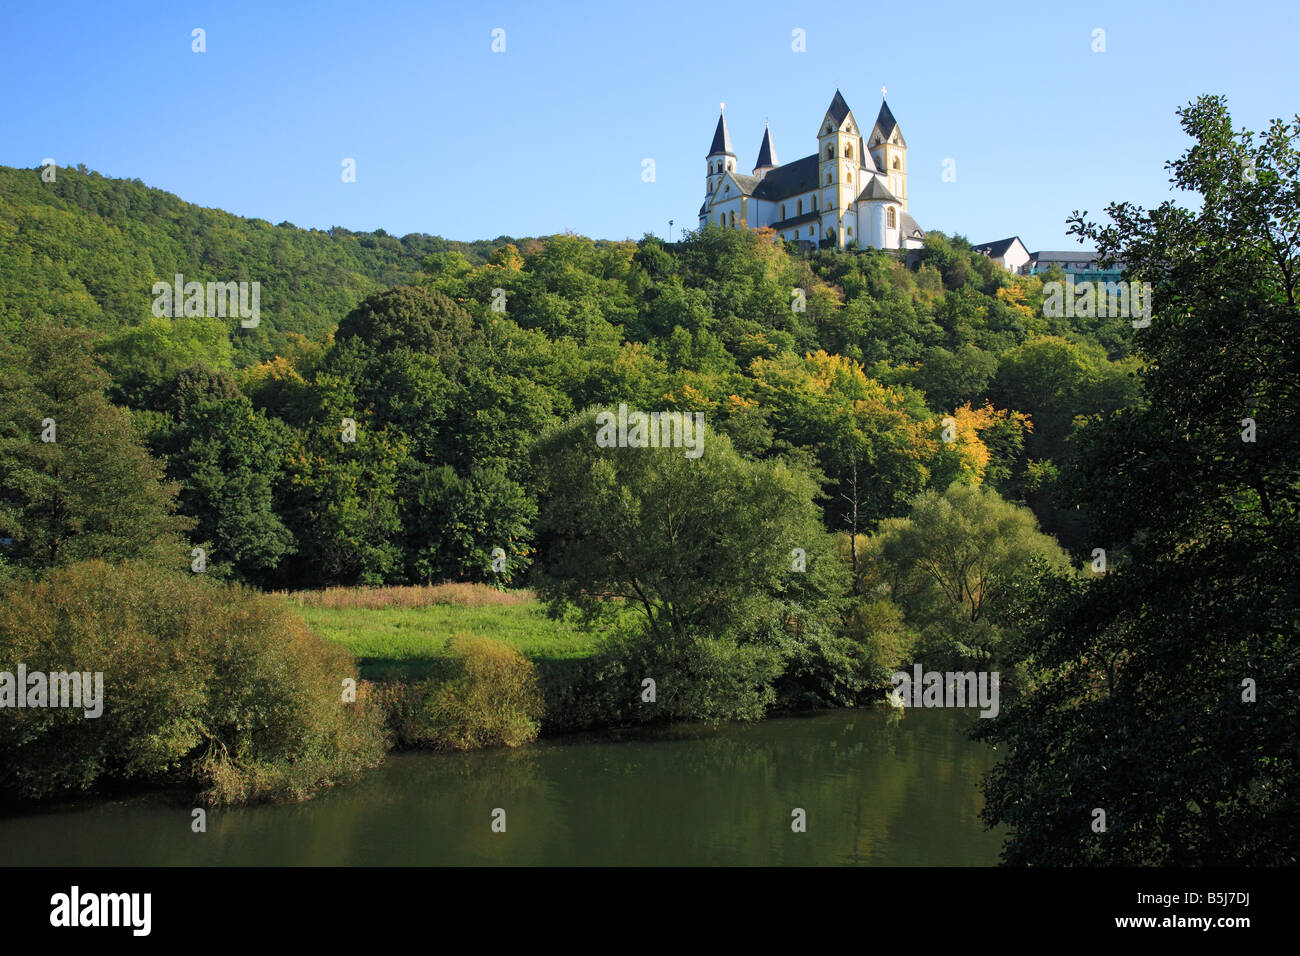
(879, 790)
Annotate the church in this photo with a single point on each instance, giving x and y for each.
(852, 190)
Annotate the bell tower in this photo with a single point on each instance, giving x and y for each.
(838, 142)
(720, 159)
(889, 149)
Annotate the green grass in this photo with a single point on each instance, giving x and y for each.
(402, 642)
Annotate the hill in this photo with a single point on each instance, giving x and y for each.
(88, 249)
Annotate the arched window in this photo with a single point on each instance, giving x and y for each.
(814, 203)
(733, 218)
(895, 162)
(796, 233)
(782, 210)
(828, 179)
(848, 151)
(849, 174)
(730, 164)
(830, 151)
(799, 206)
(850, 232)
(889, 217)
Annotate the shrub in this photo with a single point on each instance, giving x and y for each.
(216, 684)
(886, 641)
(484, 694)
(696, 678)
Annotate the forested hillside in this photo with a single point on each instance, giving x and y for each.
(849, 363)
(89, 248)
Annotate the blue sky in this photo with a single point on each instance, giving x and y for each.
(453, 139)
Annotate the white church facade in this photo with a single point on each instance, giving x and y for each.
(852, 190)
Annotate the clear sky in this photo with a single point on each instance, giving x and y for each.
(453, 139)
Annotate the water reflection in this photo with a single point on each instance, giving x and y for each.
(877, 790)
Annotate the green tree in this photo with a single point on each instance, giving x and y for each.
(724, 559)
(229, 460)
(92, 491)
(951, 563)
(1168, 692)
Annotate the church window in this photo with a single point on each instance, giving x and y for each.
(799, 207)
(796, 233)
(850, 232)
(895, 162)
(782, 210)
(889, 217)
(828, 179)
(733, 219)
(848, 150)
(850, 177)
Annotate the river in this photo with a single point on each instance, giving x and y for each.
(876, 788)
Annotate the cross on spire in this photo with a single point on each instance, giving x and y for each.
(883, 91)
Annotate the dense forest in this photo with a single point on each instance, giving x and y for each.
(951, 474)
(847, 360)
(83, 246)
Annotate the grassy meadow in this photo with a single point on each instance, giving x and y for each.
(398, 632)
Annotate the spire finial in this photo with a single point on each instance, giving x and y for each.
(721, 107)
(883, 91)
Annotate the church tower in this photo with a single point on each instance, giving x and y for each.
(890, 152)
(766, 155)
(838, 170)
(720, 159)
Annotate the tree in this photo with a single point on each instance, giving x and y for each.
(75, 481)
(716, 549)
(229, 460)
(1057, 382)
(951, 562)
(950, 379)
(339, 497)
(1168, 692)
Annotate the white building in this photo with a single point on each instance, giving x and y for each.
(852, 190)
(1010, 254)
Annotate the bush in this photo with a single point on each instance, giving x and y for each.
(696, 678)
(215, 684)
(484, 694)
(887, 643)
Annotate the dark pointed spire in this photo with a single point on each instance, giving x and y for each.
(721, 139)
(885, 121)
(838, 108)
(766, 152)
